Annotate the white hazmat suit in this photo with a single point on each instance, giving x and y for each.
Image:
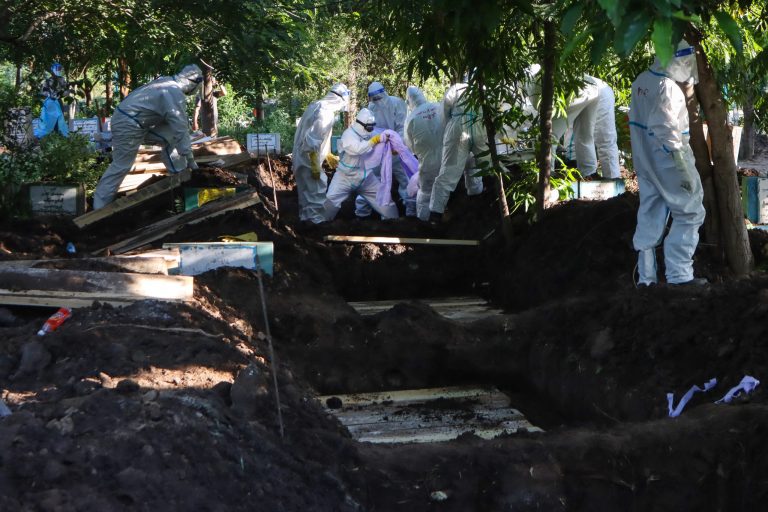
(591, 122)
(351, 176)
(390, 113)
(424, 136)
(311, 146)
(666, 174)
(464, 134)
(155, 113)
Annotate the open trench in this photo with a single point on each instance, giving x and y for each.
(607, 445)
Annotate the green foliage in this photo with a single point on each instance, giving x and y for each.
(278, 122)
(62, 160)
(523, 184)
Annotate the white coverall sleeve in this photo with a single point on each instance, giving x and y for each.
(322, 125)
(407, 131)
(663, 120)
(175, 106)
(354, 145)
(401, 110)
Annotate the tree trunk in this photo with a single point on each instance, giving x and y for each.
(733, 229)
(208, 107)
(352, 85)
(545, 116)
(18, 77)
(498, 168)
(747, 148)
(87, 88)
(124, 77)
(108, 92)
(704, 166)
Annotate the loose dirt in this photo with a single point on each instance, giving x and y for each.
(160, 406)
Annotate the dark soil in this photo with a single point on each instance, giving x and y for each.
(163, 406)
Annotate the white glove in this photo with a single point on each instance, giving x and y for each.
(684, 168)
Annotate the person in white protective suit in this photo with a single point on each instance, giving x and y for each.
(312, 146)
(464, 134)
(424, 136)
(390, 113)
(591, 122)
(666, 174)
(155, 114)
(351, 176)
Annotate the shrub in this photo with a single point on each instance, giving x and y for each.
(56, 159)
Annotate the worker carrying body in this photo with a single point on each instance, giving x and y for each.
(424, 136)
(390, 112)
(312, 146)
(591, 122)
(156, 114)
(54, 88)
(668, 181)
(352, 176)
(464, 134)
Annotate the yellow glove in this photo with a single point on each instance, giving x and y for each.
(332, 160)
(508, 140)
(314, 167)
(375, 139)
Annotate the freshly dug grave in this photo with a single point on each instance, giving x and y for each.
(171, 406)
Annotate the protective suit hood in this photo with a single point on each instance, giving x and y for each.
(341, 93)
(682, 67)
(415, 97)
(57, 69)
(189, 78)
(376, 91)
(364, 123)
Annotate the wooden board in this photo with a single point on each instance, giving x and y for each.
(228, 161)
(142, 195)
(397, 240)
(133, 181)
(460, 309)
(170, 225)
(219, 146)
(147, 265)
(427, 415)
(24, 286)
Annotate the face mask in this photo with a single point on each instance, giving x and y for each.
(368, 126)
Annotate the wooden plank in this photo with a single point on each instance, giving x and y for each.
(443, 434)
(39, 282)
(170, 225)
(398, 240)
(142, 195)
(145, 265)
(427, 415)
(459, 309)
(491, 409)
(113, 283)
(60, 302)
(413, 395)
(158, 167)
(133, 181)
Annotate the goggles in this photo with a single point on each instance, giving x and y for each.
(341, 95)
(368, 126)
(685, 51)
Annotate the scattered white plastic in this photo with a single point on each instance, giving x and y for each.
(674, 412)
(747, 385)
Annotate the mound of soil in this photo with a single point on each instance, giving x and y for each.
(169, 406)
